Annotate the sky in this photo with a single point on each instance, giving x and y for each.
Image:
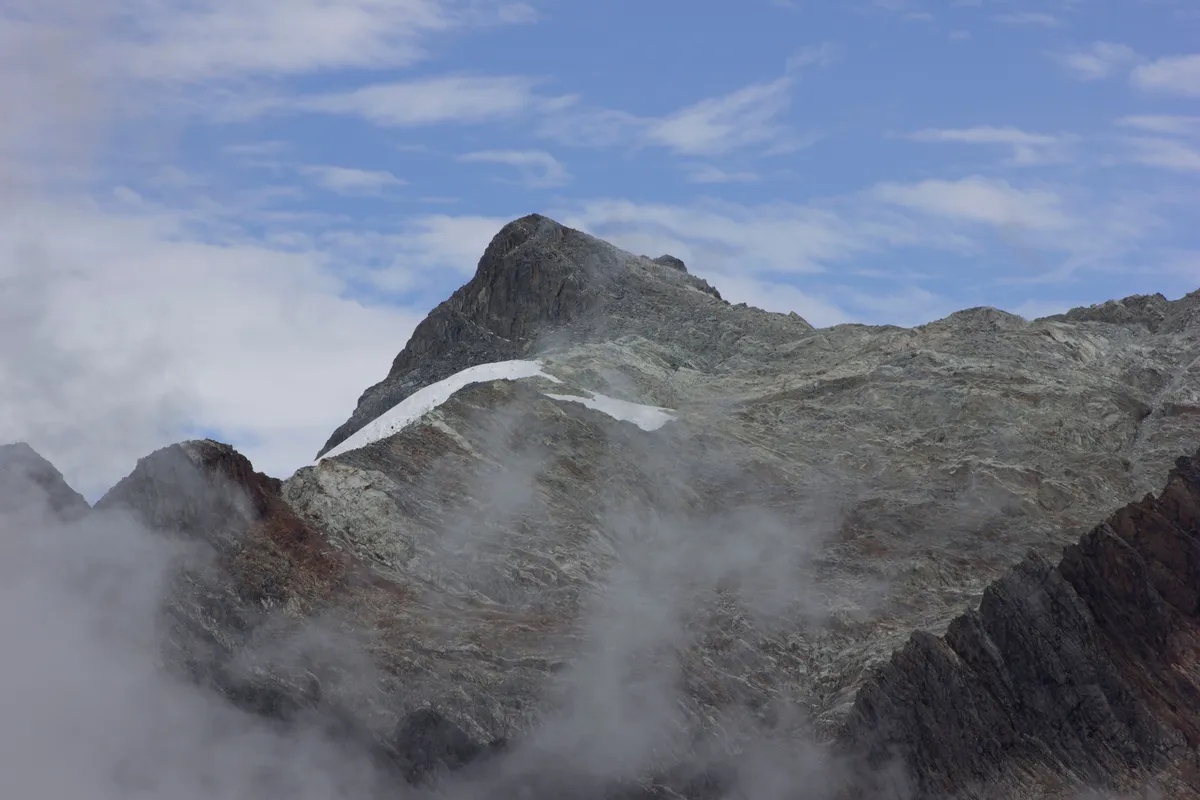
(224, 217)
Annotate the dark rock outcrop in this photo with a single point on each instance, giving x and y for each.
(271, 575)
(255, 557)
(1084, 674)
(29, 482)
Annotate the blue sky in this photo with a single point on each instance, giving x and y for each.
(268, 195)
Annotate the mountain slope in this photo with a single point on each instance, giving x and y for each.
(879, 477)
(601, 534)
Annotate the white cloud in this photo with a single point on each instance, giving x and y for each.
(256, 343)
(1174, 75)
(1101, 60)
(430, 101)
(748, 116)
(347, 180)
(452, 243)
(1163, 153)
(707, 173)
(772, 238)
(744, 118)
(219, 39)
(1168, 124)
(1034, 18)
(538, 169)
(1027, 148)
(819, 55)
(979, 199)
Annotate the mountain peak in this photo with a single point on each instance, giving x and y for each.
(26, 477)
(538, 277)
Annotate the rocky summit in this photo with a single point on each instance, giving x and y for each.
(600, 533)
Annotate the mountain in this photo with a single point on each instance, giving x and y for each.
(882, 476)
(30, 483)
(601, 533)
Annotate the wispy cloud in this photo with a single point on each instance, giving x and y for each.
(1169, 154)
(223, 39)
(1170, 124)
(430, 101)
(347, 180)
(818, 55)
(537, 168)
(1032, 18)
(745, 118)
(1173, 75)
(1027, 148)
(979, 199)
(707, 173)
(748, 116)
(1100, 60)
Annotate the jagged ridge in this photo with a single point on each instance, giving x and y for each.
(1080, 674)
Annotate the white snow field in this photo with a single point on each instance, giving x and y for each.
(648, 418)
(422, 401)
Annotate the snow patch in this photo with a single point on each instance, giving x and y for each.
(648, 418)
(422, 401)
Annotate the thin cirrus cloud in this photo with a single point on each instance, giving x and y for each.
(1101, 60)
(1172, 75)
(707, 173)
(1168, 154)
(1167, 124)
(431, 101)
(746, 118)
(982, 200)
(351, 181)
(1027, 148)
(536, 168)
(216, 39)
(1031, 18)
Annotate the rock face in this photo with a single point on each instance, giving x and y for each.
(1080, 674)
(882, 476)
(30, 483)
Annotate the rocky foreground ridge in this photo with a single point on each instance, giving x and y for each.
(530, 578)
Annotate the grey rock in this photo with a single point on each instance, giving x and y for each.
(31, 484)
(897, 472)
(614, 601)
